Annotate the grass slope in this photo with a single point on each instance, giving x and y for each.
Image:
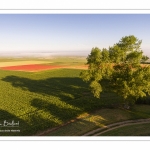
(100, 118)
(130, 130)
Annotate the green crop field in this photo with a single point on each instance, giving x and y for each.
(48, 99)
(44, 99)
(41, 100)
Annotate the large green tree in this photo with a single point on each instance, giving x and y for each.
(121, 66)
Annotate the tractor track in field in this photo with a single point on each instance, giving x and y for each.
(113, 126)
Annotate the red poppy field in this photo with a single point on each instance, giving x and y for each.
(38, 67)
(31, 67)
(41, 67)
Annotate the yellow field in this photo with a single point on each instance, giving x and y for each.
(18, 63)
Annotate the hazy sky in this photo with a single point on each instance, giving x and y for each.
(70, 32)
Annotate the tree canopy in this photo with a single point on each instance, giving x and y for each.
(121, 66)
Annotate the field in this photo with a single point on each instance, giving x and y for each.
(39, 100)
(46, 99)
(40, 65)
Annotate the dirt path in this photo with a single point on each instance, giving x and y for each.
(98, 131)
(113, 126)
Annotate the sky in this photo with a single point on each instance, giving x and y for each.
(70, 33)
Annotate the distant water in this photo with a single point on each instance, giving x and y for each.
(44, 54)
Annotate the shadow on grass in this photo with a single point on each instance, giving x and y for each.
(71, 93)
(33, 124)
(72, 96)
(61, 113)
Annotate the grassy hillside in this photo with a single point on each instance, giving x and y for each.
(102, 117)
(130, 130)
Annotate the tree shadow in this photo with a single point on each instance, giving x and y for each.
(72, 94)
(64, 98)
(61, 113)
(68, 90)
